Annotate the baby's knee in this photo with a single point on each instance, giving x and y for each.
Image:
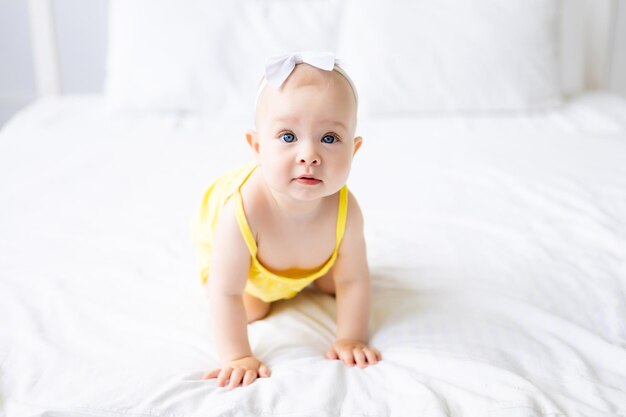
(326, 284)
(254, 314)
(255, 309)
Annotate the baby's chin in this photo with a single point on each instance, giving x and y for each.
(307, 193)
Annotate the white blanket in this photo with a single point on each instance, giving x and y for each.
(497, 246)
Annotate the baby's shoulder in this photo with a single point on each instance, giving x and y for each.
(255, 203)
(252, 203)
(229, 245)
(354, 215)
(227, 224)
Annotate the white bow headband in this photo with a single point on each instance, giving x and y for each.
(277, 69)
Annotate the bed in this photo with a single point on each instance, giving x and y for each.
(496, 242)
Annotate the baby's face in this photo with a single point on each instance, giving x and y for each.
(306, 129)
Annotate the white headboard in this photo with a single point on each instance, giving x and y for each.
(599, 34)
(593, 24)
(45, 51)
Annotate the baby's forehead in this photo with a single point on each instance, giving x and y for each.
(305, 75)
(309, 77)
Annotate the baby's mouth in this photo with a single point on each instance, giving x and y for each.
(307, 180)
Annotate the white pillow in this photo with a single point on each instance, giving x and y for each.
(252, 31)
(157, 53)
(424, 55)
(207, 56)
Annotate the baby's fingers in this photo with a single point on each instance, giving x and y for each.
(359, 357)
(264, 371)
(347, 357)
(331, 354)
(223, 376)
(236, 378)
(211, 374)
(249, 377)
(371, 356)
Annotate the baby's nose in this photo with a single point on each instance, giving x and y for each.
(309, 161)
(308, 155)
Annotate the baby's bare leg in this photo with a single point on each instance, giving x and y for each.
(255, 309)
(326, 283)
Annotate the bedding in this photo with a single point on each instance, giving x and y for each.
(496, 242)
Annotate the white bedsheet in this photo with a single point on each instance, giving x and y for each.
(497, 246)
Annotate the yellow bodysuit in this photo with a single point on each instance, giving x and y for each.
(262, 283)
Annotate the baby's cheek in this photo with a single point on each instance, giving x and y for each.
(277, 171)
(346, 166)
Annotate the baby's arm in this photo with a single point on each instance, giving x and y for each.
(353, 293)
(230, 262)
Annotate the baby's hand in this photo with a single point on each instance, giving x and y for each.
(247, 368)
(351, 351)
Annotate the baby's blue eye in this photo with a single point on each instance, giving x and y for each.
(288, 137)
(329, 139)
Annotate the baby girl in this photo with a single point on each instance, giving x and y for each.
(267, 230)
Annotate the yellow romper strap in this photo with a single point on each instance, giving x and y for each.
(341, 215)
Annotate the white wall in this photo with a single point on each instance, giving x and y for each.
(617, 76)
(17, 80)
(81, 31)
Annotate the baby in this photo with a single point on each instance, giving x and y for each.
(267, 230)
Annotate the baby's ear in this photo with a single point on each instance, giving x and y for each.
(358, 141)
(253, 140)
